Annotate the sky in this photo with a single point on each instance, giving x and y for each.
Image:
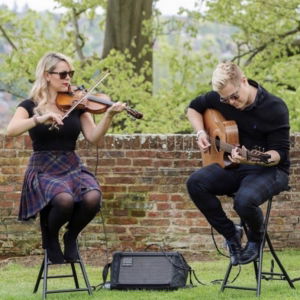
(167, 7)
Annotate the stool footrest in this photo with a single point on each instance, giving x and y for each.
(239, 287)
(274, 274)
(67, 291)
(58, 276)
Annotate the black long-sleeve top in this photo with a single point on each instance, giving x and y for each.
(265, 123)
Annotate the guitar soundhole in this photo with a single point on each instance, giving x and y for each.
(217, 143)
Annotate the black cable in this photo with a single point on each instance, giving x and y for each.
(100, 285)
(215, 243)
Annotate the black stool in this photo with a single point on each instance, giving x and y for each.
(43, 273)
(258, 263)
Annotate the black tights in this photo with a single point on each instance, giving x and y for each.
(61, 210)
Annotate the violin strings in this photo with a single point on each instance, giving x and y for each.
(101, 78)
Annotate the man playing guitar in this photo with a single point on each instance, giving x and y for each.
(262, 121)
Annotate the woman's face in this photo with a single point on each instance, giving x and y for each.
(59, 79)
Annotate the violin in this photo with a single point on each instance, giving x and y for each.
(78, 98)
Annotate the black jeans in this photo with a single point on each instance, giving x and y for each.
(251, 186)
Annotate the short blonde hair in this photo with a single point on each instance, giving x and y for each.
(39, 90)
(226, 72)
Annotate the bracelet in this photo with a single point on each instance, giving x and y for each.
(199, 132)
(36, 121)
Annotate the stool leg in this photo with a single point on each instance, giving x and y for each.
(45, 276)
(287, 277)
(259, 275)
(85, 277)
(74, 275)
(39, 277)
(226, 277)
(255, 269)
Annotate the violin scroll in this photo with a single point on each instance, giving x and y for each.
(133, 113)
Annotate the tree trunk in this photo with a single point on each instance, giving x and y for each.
(124, 23)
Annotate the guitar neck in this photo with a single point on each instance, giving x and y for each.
(248, 155)
(222, 145)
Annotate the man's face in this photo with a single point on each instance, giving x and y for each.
(235, 95)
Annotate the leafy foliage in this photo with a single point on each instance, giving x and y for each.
(261, 35)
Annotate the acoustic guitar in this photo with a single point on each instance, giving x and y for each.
(223, 137)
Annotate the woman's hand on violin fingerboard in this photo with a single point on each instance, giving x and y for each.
(49, 118)
(116, 108)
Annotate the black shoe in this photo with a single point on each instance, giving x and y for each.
(250, 252)
(54, 253)
(70, 251)
(234, 246)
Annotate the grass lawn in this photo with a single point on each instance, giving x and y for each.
(17, 282)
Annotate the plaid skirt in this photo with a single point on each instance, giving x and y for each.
(50, 173)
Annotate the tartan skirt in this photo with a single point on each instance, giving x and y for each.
(50, 173)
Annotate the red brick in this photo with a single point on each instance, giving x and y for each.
(163, 206)
(157, 222)
(143, 162)
(119, 180)
(122, 220)
(159, 197)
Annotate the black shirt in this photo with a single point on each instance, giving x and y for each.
(265, 123)
(63, 139)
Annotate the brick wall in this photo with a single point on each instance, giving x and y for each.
(145, 199)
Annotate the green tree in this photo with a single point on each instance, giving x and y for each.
(126, 29)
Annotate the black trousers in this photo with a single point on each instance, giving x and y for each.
(252, 186)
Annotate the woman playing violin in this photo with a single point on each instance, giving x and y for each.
(57, 185)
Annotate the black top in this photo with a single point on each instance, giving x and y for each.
(63, 139)
(265, 123)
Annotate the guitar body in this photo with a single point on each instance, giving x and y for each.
(220, 131)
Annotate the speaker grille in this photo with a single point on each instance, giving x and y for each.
(145, 270)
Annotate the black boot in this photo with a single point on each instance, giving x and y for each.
(54, 252)
(250, 252)
(234, 246)
(70, 251)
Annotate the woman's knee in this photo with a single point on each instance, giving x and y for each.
(92, 200)
(64, 201)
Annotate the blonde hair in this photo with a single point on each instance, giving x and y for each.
(39, 90)
(226, 72)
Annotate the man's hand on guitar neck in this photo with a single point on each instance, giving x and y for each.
(202, 140)
(244, 156)
(237, 156)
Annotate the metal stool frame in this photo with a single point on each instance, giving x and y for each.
(258, 263)
(43, 274)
